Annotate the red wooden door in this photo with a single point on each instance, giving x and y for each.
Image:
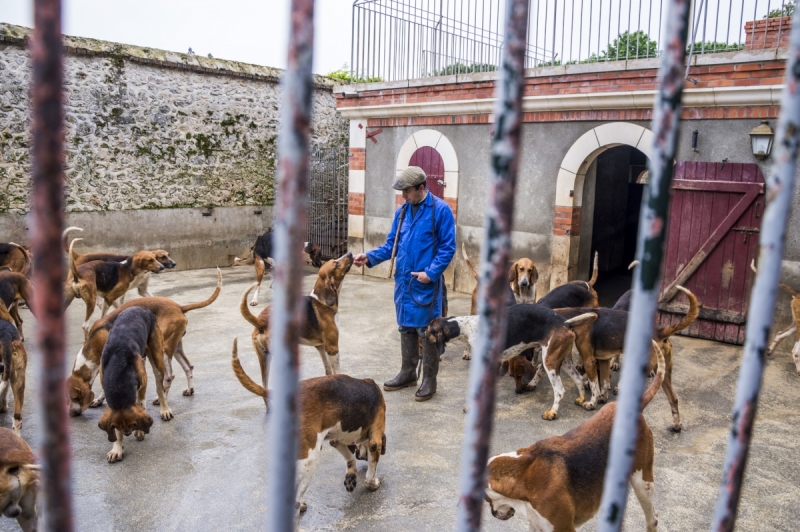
(429, 160)
(712, 236)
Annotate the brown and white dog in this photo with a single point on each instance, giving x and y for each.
(320, 329)
(14, 286)
(511, 298)
(134, 335)
(604, 339)
(19, 480)
(260, 255)
(172, 322)
(528, 326)
(794, 328)
(139, 281)
(343, 411)
(15, 361)
(16, 258)
(557, 483)
(109, 280)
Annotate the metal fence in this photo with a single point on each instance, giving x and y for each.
(407, 39)
(327, 201)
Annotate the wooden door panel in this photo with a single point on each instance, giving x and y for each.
(712, 236)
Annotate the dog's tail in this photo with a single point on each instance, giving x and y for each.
(594, 271)
(72, 257)
(65, 236)
(581, 319)
(652, 390)
(207, 302)
(792, 291)
(633, 264)
(4, 314)
(245, 380)
(27, 255)
(469, 264)
(694, 311)
(251, 318)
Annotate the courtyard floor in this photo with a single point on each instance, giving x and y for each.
(206, 469)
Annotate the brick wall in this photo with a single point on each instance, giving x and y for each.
(568, 221)
(767, 33)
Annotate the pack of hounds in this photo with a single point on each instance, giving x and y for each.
(550, 483)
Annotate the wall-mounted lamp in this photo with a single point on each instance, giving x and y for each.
(695, 134)
(761, 138)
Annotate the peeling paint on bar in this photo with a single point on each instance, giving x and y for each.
(48, 212)
(649, 251)
(287, 302)
(780, 188)
(495, 252)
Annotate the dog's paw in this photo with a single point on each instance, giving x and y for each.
(138, 434)
(580, 369)
(676, 428)
(530, 388)
(96, 403)
(579, 401)
(550, 415)
(4, 406)
(188, 391)
(167, 414)
(615, 366)
(603, 399)
(350, 482)
(466, 356)
(253, 303)
(373, 484)
(616, 390)
(303, 506)
(114, 456)
(589, 406)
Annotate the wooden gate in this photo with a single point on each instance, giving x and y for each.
(429, 160)
(714, 223)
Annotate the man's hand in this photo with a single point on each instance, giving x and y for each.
(360, 259)
(421, 277)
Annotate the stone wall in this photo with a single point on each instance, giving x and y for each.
(150, 129)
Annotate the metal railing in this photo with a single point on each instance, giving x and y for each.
(327, 201)
(406, 39)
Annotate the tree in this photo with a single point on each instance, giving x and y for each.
(344, 75)
(630, 46)
(786, 11)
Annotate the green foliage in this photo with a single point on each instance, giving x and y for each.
(714, 46)
(630, 46)
(461, 68)
(786, 11)
(344, 75)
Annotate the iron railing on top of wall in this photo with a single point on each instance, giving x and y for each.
(407, 39)
(327, 201)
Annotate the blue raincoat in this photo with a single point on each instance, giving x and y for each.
(418, 303)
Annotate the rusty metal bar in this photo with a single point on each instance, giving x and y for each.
(47, 202)
(495, 251)
(649, 251)
(290, 228)
(780, 190)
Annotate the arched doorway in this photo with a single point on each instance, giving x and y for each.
(431, 162)
(433, 152)
(572, 235)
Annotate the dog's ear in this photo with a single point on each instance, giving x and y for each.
(383, 444)
(512, 274)
(527, 372)
(534, 275)
(503, 369)
(106, 425)
(331, 295)
(144, 423)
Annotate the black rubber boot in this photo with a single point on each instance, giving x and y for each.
(430, 368)
(409, 351)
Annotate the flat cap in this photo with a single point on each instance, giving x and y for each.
(410, 177)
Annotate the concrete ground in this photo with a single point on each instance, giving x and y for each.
(206, 469)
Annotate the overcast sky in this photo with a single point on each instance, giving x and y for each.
(253, 31)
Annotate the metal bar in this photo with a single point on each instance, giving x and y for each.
(495, 251)
(694, 36)
(290, 226)
(649, 251)
(47, 201)
(780, 188)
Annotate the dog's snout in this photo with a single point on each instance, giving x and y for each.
(12, 511)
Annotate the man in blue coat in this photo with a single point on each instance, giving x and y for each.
(426, 245)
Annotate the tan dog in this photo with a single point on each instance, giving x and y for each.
(557, 483)
(15, 361)
(140, 281)
(19, 480)
(792, 329)
(15, 258)
(172, 322)
(109, 280)
(14, 287)
(522, 277)
(473, 309)
(320, 329)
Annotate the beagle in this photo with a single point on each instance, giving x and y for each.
(320, 329)
(15, 361)
(261, 258)
(573, 293)
(15, 258)
(473, 309)
(528, 326)
(134, 335)
(522, 371)
(19, 480)
(139, 281)
(604, 339)
(14, 286)
(522, 277)
(792, 329)
(343, 411)
(110, 280)
(172, 322)
(557, 483)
